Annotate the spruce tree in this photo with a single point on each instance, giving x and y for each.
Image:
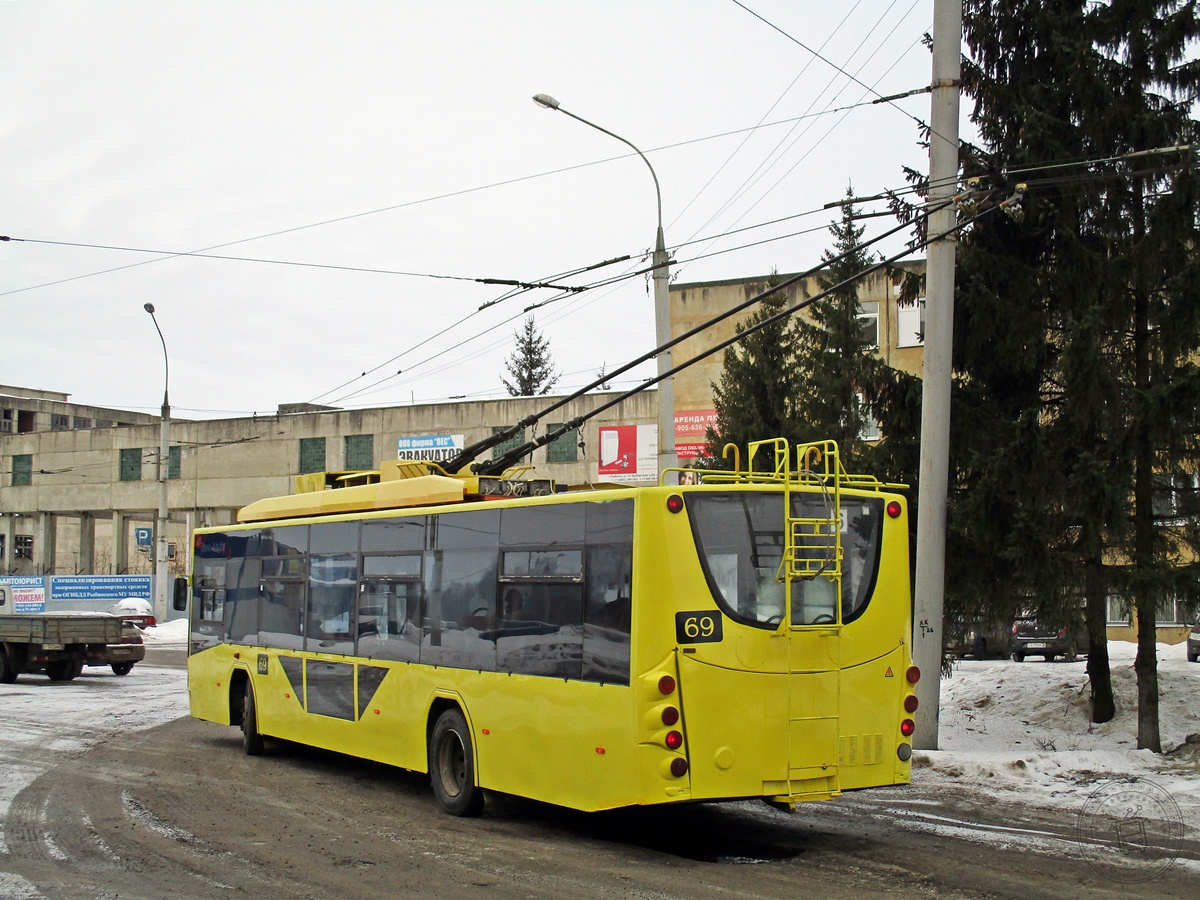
(531, 366)
(835, 356)
(1076, 329)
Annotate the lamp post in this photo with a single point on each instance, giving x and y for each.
(160, 554)
(662, 304)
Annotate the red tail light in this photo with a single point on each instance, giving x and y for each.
(910, 703)
(674, 740)
(913, 674)
(907, 727)
(679, 767)
(670, 715)
(893, 509)
(675, 503)
(666, 685)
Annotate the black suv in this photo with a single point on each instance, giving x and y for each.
(1031, 638)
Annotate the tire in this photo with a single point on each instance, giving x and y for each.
(8, 674)
(1192, 657)
(1050, 657)
(122, 668)
(452, 766)
(1018, 657)
(252, 740)
(64, 670)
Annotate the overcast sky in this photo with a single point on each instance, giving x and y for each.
(400, 137)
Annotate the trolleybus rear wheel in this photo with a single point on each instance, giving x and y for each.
(252, 741)
(452, 766)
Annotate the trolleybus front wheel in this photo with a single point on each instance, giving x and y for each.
(252, 741)
(452, 766)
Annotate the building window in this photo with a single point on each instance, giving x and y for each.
(104, 423)
(174, 461)
(1172, 611)
(23, 546)
(82, 422)
(565, 448)
(59, 422)
(22, 469)
(1118, 610)
(511, 444)
(6, 421)
(869, 429)
(312, 455)
(360, 451)
(1176, 496)
(910, 324)
(868, 322)
(131, 464)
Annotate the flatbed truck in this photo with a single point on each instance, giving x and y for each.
(61, 644)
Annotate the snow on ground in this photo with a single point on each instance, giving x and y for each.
(170, 633)
(1021, 732)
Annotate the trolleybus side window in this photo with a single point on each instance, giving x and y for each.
(460, 589)
(608, 595)
(243, 575)
(389, 607)
(284, 573)
(540, 623)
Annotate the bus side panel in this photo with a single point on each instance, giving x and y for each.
(869, 716)
(736, 727)
(209, 672)
(563, 742)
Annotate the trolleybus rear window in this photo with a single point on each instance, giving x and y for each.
(740, 538)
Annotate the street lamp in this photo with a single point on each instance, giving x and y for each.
(662, 311)
(160, 558)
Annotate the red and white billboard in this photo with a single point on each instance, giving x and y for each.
(628, 453)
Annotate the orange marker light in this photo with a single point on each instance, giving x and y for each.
(600, 750)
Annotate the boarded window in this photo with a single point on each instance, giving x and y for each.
(565, 448)
(131, 464)
(312, 455)
(360, 451)
(174, 461)
(22, 469)
(511, 444)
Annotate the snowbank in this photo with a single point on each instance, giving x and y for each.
(1021, 732)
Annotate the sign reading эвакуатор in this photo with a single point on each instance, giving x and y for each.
(432, 447)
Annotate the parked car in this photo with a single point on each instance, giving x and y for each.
(1193, 643)
(977, 640)
(135, 610)
(1031, 638)
(121, 656)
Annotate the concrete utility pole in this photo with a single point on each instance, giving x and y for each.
(161, 571)
(929, 589)
(662, 304)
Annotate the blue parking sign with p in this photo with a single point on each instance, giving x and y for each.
(143, 536)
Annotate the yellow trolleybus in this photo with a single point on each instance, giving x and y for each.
(746, 636)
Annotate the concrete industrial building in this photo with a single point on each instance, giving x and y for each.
(81, 482)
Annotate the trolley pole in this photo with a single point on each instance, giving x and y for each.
(929, 590)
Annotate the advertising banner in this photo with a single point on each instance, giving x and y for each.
(432, 447)
(28, 592)
(102, 590)
(691, 430)
(628, 453)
